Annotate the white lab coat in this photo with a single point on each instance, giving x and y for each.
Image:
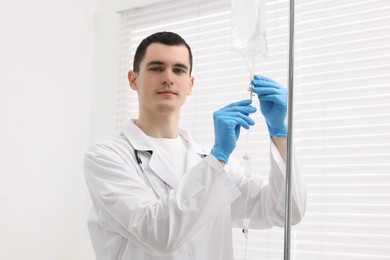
(161, 217)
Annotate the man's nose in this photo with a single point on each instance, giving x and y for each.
(167, 78)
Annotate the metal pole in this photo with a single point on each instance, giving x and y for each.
(287, 220)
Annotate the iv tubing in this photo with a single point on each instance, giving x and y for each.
(287, 219)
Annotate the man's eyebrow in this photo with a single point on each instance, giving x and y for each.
(154, 62)
(157, 62)
(181, 65)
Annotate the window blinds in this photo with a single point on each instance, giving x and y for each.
(341, 106)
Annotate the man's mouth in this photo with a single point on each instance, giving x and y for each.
(166, 92)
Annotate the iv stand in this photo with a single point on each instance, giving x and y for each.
(287, 217)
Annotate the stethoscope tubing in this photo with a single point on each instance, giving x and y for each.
(139, 161)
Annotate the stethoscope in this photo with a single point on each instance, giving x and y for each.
(139, 161)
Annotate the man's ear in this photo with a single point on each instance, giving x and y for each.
(191, 85)
(132, 76)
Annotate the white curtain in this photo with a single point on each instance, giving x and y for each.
(341, 111)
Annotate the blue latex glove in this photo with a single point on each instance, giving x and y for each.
(227, 124)
(273, 104)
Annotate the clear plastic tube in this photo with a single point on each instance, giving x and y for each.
(249, 39)
(247, 165)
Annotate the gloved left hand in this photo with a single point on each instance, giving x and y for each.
(273, 104)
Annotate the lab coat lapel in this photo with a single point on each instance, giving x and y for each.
(192, 159)
(158, 163)
(195, 152)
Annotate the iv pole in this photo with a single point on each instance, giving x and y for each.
(287, 217)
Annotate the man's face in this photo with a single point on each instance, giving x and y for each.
(163, 81)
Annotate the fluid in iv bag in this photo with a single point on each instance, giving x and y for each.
(248, 31)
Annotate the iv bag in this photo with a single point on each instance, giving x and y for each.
(248, 30)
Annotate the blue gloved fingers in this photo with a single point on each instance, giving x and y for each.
(239, 110)
(269, 89)
(273, 103)
(278, 99)
(234, 118)
(236, 110)
(227, 124)
(268, 84)
(263, 78)
(233, 115)
(259, 81)
(245, 102)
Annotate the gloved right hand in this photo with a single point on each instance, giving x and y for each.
(227, 124)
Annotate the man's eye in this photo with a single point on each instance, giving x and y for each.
(179, 71)
(156, 69)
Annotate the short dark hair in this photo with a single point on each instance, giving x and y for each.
(167, 38)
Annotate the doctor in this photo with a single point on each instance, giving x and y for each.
(157, 194)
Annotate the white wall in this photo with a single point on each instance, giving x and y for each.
(47, 52)
(107, 27)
